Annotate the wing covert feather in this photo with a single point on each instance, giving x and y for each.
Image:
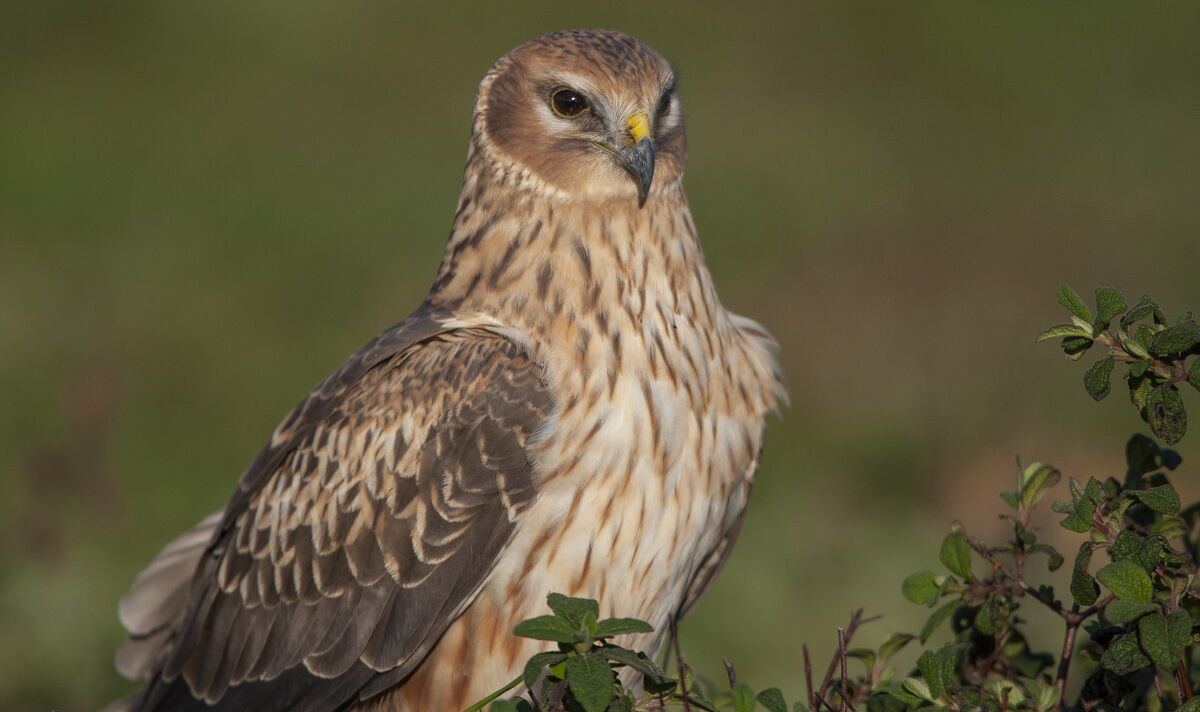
(365, 526)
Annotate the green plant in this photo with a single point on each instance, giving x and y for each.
(582, 674)
(1131, 590)
(1155, 351)
(1137, 610)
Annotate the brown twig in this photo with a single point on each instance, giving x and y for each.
(822, 701)
(1064, 662)
(680, 665)
(730, 672)
(841, 632)
(808, 678)
(1020, 586)
(1185, 685)
(856, 620)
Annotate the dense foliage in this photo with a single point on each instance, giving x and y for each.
(1131, 590)
(1154, 349)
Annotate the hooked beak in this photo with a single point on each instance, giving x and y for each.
(636, 154)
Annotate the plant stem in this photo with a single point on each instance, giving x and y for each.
(730, 672)
(1068, 649)
(680, 664)
(494, 696)
(855, 620)
(808, 678)
(841, 632)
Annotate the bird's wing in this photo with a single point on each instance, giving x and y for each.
(365, 526)
(715, 561)
(711, 566)
(158, 598)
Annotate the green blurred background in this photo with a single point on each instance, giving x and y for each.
(205, 206)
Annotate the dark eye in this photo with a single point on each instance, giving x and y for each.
(663, 104)
(568, 102)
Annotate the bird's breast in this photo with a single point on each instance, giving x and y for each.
(641, 471)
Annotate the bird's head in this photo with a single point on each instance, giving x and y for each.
(590, 113)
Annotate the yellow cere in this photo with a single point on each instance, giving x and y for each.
(639, 126)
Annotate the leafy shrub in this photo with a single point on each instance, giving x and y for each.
(1154, 350)
(1137, 607)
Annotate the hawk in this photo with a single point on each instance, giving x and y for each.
(570, 409)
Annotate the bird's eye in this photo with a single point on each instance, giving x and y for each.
(568, 103)
(663, 104)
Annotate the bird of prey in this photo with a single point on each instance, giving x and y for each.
(569, 410)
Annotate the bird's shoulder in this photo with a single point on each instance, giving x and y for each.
(758, 354)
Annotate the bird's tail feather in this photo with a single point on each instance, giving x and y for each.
(157, 598)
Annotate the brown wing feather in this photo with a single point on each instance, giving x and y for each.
(715, 561)
(365, 526)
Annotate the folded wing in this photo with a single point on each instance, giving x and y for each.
(363, 529)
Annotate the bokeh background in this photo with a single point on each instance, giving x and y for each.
(205, 206)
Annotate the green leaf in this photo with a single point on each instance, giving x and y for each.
(1143, 336)
(894, 644)
(1126, 580)
(1121, 611)
(937, 669)
(1124, 656)
(1024, 535)
(590, 680)
(1054, 559)
(1081, 510)
(1064, 330)
(1141, 454)
(1044, 593)
(513, 705)
(1169, 527)
(1176, 339)
(609, 627)
(1006, 690)
(573, 610)
(956, 554)
(537, 663)
(1162, 499)
(1096, 379)
(743, 698)
(1145, 551)
(1084, 589)
(989, 617)
(1144, 308)
(548, 628)
(1036, 479)
(1072, 302)
(866, 655)
(1139, 393)
(1165, 413)
(1194, 374)
(1179, 630)
(1109, 304)
(1047, 697)
(1152, 635)
(1133, 346)
(1137, 369)
(1075, 346)
(1192, 705)
(650, 670)
(914, 687)
(772, 700)
(938, 617)
(921, 587)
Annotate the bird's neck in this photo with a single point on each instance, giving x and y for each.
(552, 266)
